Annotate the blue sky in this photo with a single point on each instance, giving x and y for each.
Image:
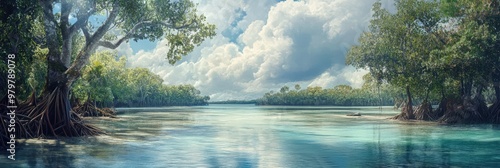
(263, 45)
(144, 45)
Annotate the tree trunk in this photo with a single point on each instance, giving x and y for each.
(407, 109)
(53, 116)
(409, 105)
(56, 77)
(55, 68)
(441, 110)
(467, 89)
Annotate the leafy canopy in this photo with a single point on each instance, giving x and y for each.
(176, 20)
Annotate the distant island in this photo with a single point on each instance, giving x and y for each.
(341, 95)
(234, 102)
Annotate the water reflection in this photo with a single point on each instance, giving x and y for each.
(250, 136)
(67, 152)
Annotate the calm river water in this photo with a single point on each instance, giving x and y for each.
(265, 136)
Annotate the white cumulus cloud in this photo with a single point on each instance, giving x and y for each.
(263, 45)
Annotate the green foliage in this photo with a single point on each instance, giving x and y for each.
(38, 70)
(396, 49)
(447, 49)
(471, 54)
(97, 78)
(27, 25)
(108, 82)
(176, 21)
(341, 95)
(17, 24)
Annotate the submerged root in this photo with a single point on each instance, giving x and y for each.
(87, 109)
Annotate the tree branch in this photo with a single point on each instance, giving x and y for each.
(99, 33)
(86, 33)
(81, 21)
(91, 44)
(110, 45)
(130, 33)
(428, 30)
(83, 18)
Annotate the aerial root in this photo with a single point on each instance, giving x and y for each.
(470, 111)
(51, 117)
(404, 112)
(424, 112)
(88, 109)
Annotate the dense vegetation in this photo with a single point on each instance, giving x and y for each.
(341, 95)
(107, 82)
(448, 48)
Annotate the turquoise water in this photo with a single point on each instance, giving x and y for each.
(265, 136)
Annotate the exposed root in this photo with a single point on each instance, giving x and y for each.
(470, 111)
(424, 112)
(4, 119)
(443, 105)
(53, 117)
(494, 112)
(87, 109)
(11, 123)
(32, 101)
(406, 113)
(49, 118)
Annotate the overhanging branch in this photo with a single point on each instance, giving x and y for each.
(110, 45)
(132, 31)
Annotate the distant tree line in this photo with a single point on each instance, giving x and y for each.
(108, 82)
(234, 102)
(341, 95)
